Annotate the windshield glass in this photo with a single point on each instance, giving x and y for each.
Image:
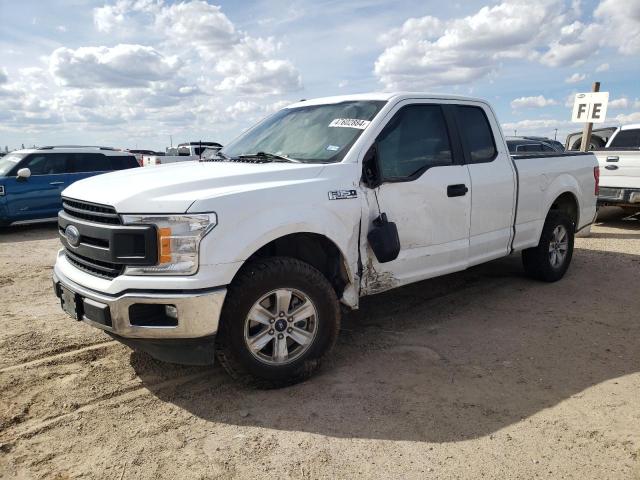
(9, 161)
(317, 133)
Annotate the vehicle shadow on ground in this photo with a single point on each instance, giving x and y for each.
(27, 233)
(449, 359)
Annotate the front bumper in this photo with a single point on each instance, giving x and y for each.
(198, 312)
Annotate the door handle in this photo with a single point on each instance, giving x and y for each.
(613, 159)
(56, 183)
(459, 190)
(611, 167)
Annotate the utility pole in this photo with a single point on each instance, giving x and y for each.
(588, 127)
(171, 141)
(555, 135)
(515, 132)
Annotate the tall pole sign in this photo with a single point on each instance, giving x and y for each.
(590, 108)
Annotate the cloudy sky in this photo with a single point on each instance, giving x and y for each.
(131, 73)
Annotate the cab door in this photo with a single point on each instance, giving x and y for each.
(38, 196)
(493, 177)
(425, 190)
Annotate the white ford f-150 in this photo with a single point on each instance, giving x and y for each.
(620, 168)
(249, 255)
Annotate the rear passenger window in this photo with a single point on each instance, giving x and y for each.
(414, 140)
(91, 162)
(476, 134)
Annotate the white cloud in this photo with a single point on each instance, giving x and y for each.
(621, 20)
(544, 127)
(621, 102)
(4, 76)
(120, 66)
(432, 52)
(199, 24)
(246, 64)
(636, 103)
(575, 78)
(532, 102)
(630, 118)
(602, 67)
(429, 51)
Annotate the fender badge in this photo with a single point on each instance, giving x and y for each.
(342, 194)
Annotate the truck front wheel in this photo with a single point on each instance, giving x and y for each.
(280, 317)
(550, 260)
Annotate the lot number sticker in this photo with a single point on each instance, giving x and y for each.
(349, 123)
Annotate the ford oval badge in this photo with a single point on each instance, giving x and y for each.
(72, 235)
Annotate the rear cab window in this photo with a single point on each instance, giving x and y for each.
(476, 134)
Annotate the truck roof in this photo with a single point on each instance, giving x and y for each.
(631, 126)
(381, 96)
(73, 149)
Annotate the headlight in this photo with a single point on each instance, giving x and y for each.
(179, 239)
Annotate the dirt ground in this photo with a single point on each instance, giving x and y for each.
(481, 374)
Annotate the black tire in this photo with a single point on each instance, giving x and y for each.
(537, 262)
(255, 280)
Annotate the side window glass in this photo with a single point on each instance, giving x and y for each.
(476, 133)
(629, 138)
(415, 139)
(47, 164)
(119, 162)
(547, 148)
(91, 162)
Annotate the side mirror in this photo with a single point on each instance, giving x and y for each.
(371, 168)
(24, 173)
(384, 239)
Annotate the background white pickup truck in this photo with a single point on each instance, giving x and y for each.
(184, 152)
(620, 169)
(322, 203)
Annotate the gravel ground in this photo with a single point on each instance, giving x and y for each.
(483, 373)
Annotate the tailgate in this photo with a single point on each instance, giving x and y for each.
(619, 168)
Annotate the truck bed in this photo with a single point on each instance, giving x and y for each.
(540, 176)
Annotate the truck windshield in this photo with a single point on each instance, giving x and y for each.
(314, 133)
(8, 162)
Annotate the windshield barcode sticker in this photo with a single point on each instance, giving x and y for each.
(349, 123)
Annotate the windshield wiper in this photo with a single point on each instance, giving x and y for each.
(270, 156)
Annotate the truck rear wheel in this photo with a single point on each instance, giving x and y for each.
(281, 316)
(550, 260)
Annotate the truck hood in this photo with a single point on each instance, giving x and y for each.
(175, 187)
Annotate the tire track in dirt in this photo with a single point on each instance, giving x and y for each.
(62, 353)
(129, 393)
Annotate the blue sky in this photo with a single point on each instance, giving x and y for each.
(131, 73)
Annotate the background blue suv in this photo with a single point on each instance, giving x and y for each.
(31, 180)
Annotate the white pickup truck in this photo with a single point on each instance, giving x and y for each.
(250, 255)
(620, 170)
(183, 153)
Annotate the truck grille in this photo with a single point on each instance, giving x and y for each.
(105, 247)
(91, 211)
(95, 267)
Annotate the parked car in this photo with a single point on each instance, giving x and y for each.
(182, 153)
(31, 180)
(251, 254)
(532, 144)
(620, 169)
(599, 138)
(139, 153)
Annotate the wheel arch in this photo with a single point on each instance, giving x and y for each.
(319, 251)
